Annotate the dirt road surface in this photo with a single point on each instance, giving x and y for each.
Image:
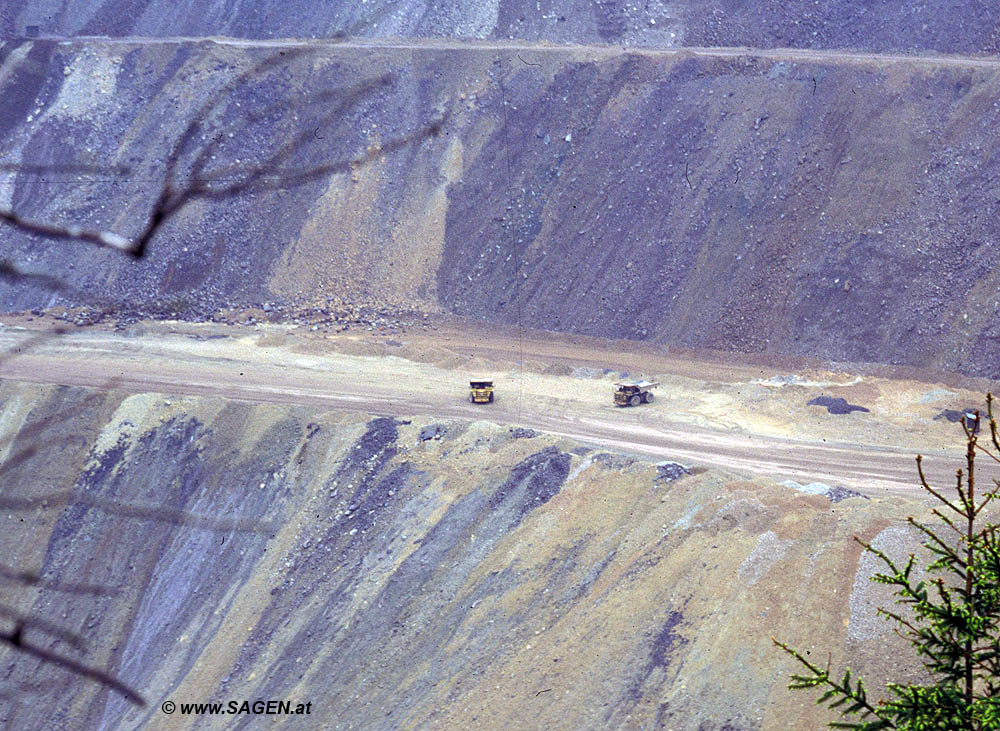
(745, 419)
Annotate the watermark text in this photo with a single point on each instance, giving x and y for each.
(238, 708)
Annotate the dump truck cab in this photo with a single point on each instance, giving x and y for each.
(633, 393)
(481, 390)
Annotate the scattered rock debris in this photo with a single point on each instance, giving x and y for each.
(835, 494)
(670, 471)
(434, 431)
(614, 461)
(518, 432)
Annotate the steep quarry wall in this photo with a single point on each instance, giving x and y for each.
(837, 208)
(839, 211)
(970, 26)
(415, 575)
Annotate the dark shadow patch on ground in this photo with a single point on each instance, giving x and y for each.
(836, 405)
(960, 415)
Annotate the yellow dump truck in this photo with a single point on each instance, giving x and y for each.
(633, 393)
(481, 390)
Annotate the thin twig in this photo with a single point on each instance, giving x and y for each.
(931, 490)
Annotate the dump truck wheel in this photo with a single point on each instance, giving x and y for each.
(649, 397)
(635, 400)
(491, 398)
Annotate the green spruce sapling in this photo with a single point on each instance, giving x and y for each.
(951, 617)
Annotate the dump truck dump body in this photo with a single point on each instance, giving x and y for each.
(481, 391)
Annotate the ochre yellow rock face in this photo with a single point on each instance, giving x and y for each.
(424, 575)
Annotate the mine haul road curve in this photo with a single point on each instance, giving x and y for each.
(240, 368)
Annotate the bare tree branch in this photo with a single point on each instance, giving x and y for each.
(156, 513)
(183, 183)
(30, 578)
(187, 177)
(16, 640)
(20, 167)
(104, 239)
(28, 622)
(13, 273)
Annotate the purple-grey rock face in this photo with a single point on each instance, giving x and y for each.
(739, 205)
(829, 208)
(948, 26)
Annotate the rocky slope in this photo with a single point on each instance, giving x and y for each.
(838, 209)
(968, 26)
(414, 575)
